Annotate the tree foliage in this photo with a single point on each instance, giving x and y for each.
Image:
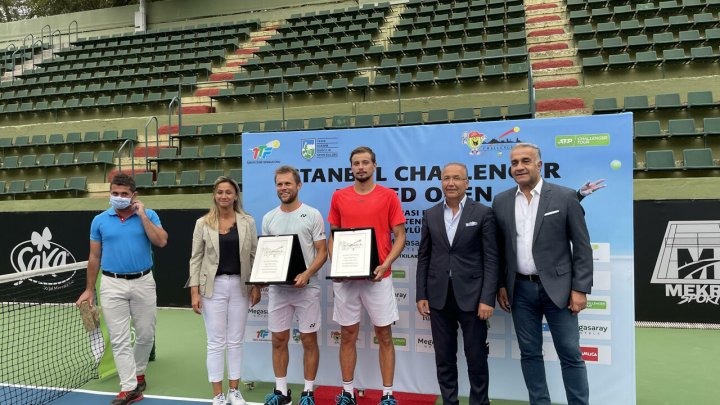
(13, 10)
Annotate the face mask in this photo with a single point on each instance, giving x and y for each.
(120, 203)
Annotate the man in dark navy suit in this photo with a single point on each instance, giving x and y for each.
(457, 279)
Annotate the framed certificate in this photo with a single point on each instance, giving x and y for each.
(278, 260)
(355, 254)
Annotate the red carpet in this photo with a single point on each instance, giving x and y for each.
(326, 396)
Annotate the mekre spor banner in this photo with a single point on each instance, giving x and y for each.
(410, 160)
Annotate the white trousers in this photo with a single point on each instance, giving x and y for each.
(122, 301)
(225, 314)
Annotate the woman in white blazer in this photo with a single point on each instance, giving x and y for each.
(223, 251)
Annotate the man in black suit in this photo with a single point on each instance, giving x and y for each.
(548, 271)
(457, 276)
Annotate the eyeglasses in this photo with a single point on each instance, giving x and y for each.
(454, 179)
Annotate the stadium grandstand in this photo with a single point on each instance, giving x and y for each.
(166, 90)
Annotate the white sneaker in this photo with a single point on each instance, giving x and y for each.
(219, 399)
(235, 397)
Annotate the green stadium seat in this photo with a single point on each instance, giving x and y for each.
(78, 183)
(273, 126)
(2, 187)
(490, 113)
(28, 161)
(211, 151)
(105, 156)
(16, 187)
(388, 119)
(38, 140)
(412, 118)
(143, 180)
(605, 106)
(612, 45)
(56, 139)
(295, 124)
(668, 101)
(647, 59)
(593, 63)
(463, 115)
(636, 104)
(189, 178)
(699, 99)
(21, 141)
(91, 136)
(189, 152)
(46, 160)
(682, 127)
(315, 123)
(236, 174)
(340, 121)
(167, 154)
(437, 117)
(36, 186)
(65, 159)
(229, 128)
(698, 159)
(56, 184)
(210, 176)
(233, 150)
(630, 26)
(85, 157)
(10, 162)
(648, 129)
(251, 126)
(638, 42)
(166, 179)
(518, 111)
(620, 61)
(659, 160)
(364, 121)
(703, 54)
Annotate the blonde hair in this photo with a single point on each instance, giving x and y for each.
(212, 218)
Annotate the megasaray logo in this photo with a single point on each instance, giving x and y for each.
(38, 253)
(688, 262)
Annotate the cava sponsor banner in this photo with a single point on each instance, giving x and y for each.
(677, 266)
(410, 160)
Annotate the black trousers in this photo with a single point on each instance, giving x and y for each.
(444, 323)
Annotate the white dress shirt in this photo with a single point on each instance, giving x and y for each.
(452, 221)
(525, 214)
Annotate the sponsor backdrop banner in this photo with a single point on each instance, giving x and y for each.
(46, 239)
(410, 159)
(677, 263)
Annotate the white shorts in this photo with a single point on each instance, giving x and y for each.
(303, 303)
(378, 298)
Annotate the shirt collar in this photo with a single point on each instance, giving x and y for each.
(462, 202)
(535, 191)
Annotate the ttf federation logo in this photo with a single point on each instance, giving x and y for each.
(262, 152)
(308, 148)
(688, 260)
(38, 253)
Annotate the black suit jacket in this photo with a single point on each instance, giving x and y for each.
(561, 243)
(473, 258)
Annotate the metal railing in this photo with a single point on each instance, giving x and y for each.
(157, 140)
(130, 155)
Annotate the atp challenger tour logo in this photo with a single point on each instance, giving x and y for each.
(38, 253)
(687, 262)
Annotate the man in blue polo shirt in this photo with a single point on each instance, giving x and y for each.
(121, 240)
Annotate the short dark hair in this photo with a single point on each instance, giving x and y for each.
(122, 179)
(362, 149)
(288, 169)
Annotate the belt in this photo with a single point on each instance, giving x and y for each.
(126, 276)
(528, 277)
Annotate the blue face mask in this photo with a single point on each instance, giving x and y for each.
(120, 203)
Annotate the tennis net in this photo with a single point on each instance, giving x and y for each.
(45, 351)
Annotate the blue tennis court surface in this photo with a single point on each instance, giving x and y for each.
(103, 398)
(86, 397)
